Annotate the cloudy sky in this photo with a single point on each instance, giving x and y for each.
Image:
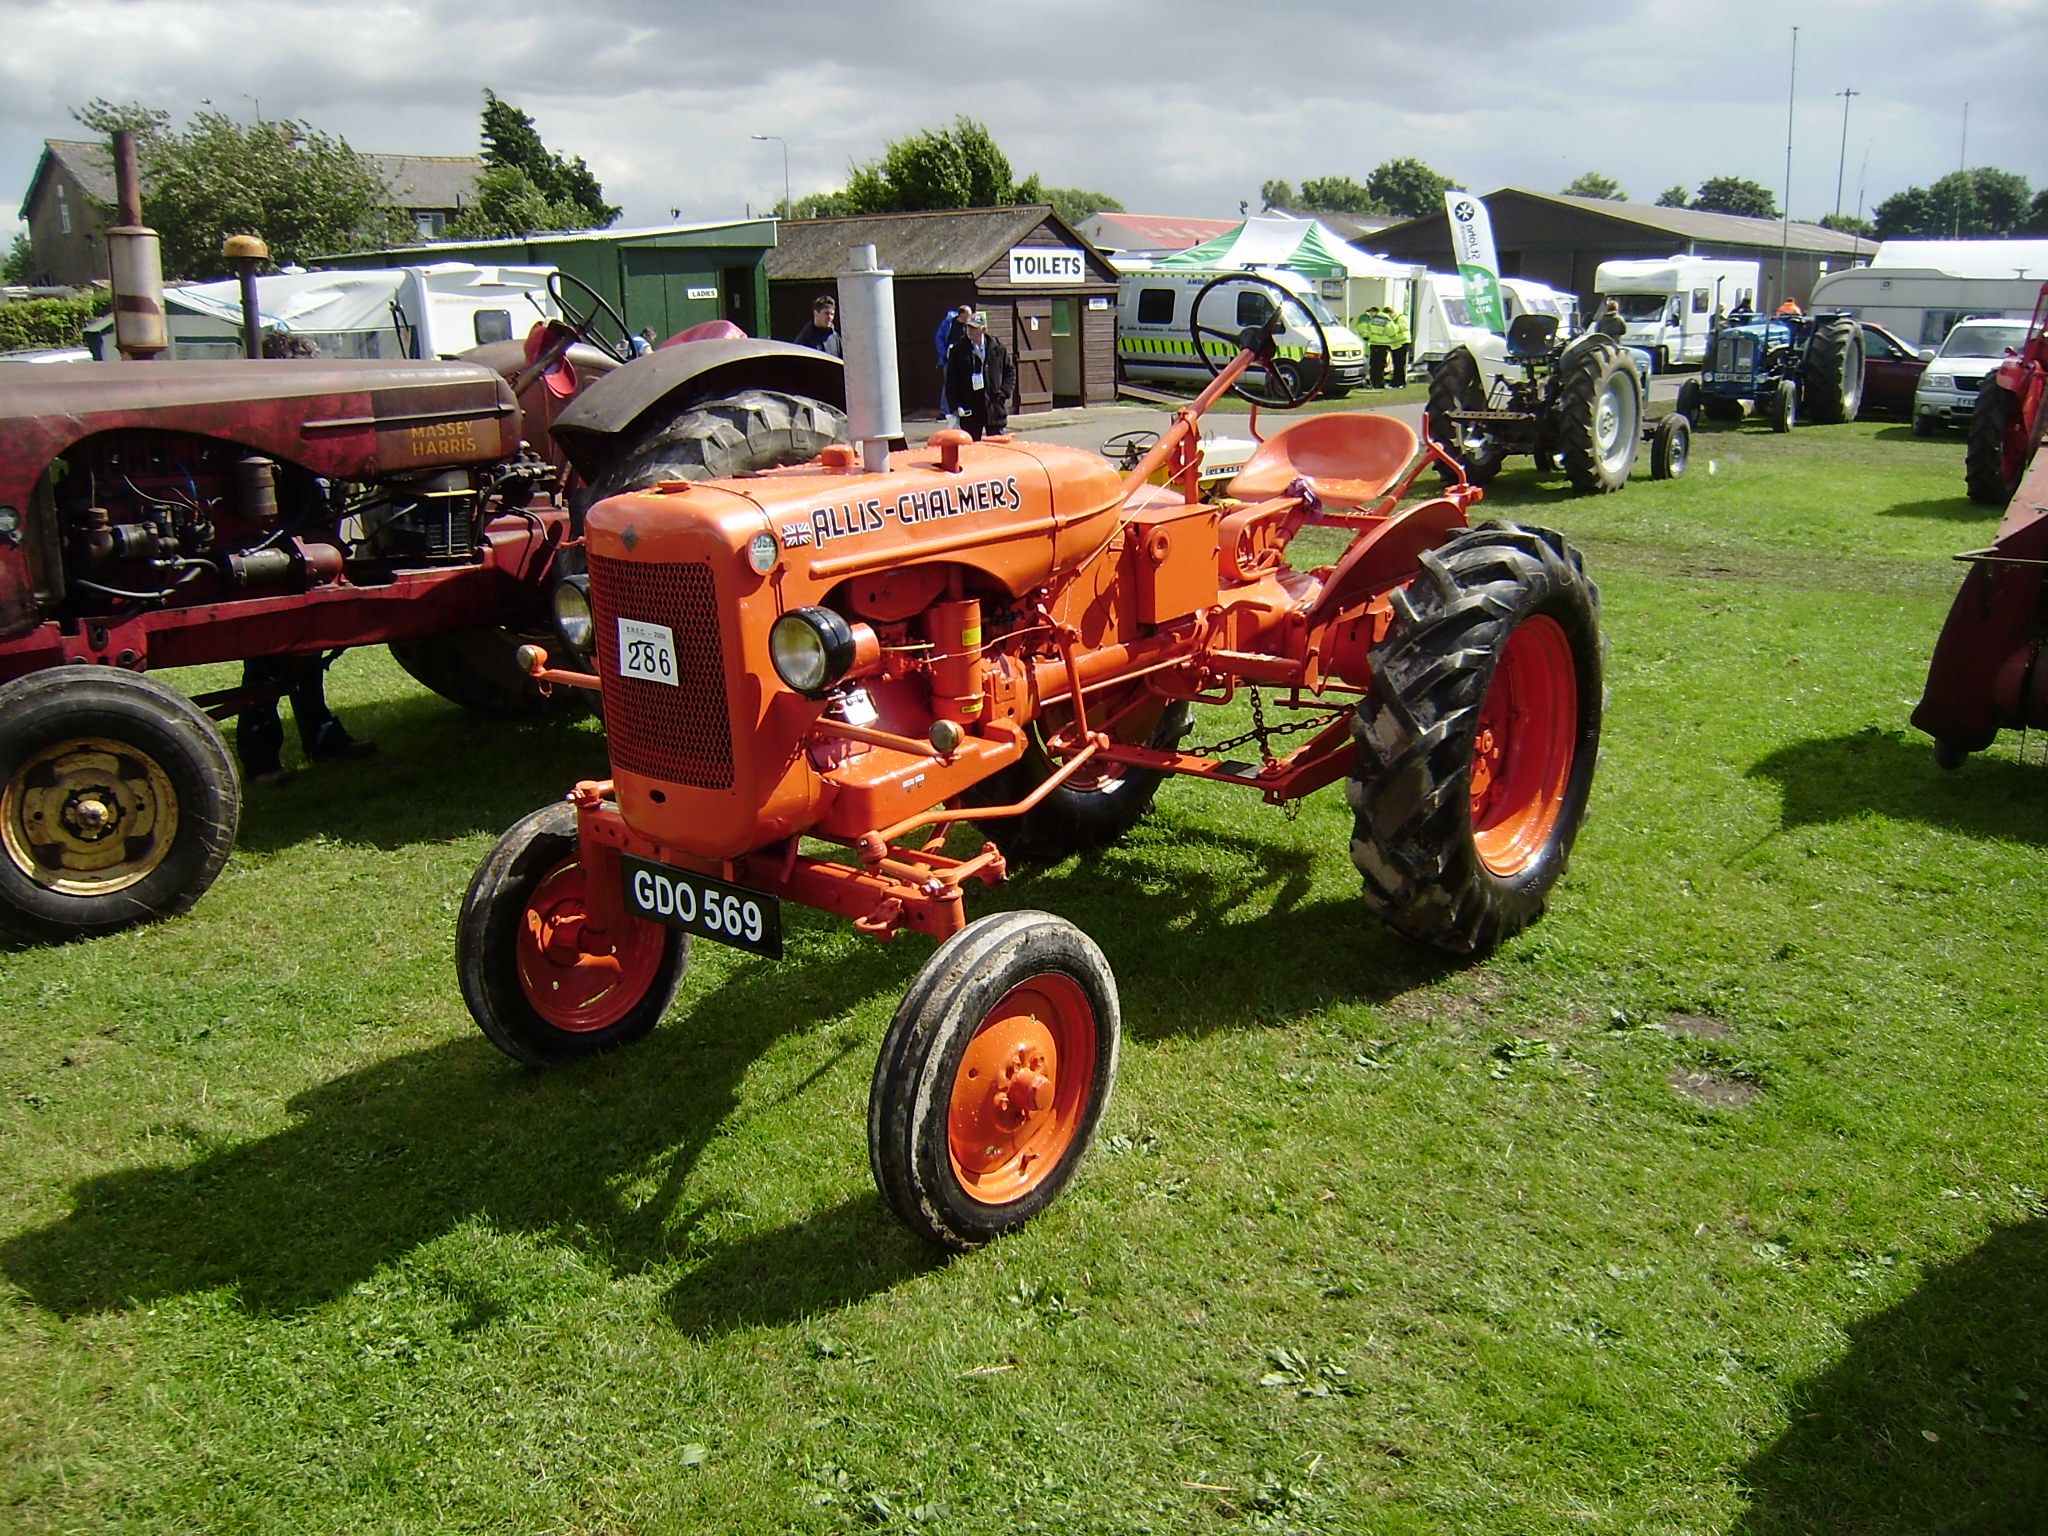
(1183, 107)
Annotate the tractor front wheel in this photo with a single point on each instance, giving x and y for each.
(1599, 416)
(1456, 384)
(1997, 453)
(1475, 761)
(1784, 405)
(539, 982)
(479, 670)
(118, 802)
(993, 1077)
(1670, 447)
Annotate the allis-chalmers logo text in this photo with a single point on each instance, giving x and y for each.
(846, 518)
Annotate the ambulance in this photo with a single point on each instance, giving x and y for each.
(1154, 344)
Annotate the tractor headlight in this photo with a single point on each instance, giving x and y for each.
(572, 613)
(812, 649)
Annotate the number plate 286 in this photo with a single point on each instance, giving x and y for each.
(712, 909)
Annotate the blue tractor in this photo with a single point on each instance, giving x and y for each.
(1787, 367)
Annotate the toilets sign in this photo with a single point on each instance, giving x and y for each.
(1034, 264)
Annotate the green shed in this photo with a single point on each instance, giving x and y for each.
(665, 279)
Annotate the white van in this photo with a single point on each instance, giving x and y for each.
(1153, 342)
(1443, 322)
(1669, 305)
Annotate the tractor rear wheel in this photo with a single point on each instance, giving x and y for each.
(478, 669)
(1997, 451)
(1831, 377)
(538, 982)
(1099, 804)
(1456, 384)
(1476, 759)
(993, 1077)
(1599, 415)
(739, 434)
(118, 802)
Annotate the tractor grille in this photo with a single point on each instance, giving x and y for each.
(681, 734)
(1735, 354)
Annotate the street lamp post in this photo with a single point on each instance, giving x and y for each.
(1842, 160)
(779, 139)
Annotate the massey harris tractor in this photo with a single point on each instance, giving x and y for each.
(2007, 425)
(164, 514)
(1578, 406)
(1788, 366)
(814, 677)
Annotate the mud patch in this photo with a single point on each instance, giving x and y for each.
(1714, 1089)
(1695, 1026)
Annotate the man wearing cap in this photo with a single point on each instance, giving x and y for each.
(978, 378)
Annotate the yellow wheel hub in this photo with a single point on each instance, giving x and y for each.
(88, 816)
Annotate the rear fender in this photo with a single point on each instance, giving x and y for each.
(671, 379)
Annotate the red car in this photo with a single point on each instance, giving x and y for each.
(1890, 371)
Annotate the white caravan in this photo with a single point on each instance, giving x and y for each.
(1670, 305)
(397, 312)
(1919, 289)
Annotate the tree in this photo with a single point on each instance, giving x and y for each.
(562, 194)
(15, 268)
(957, 167)
(304, 192)
(1673, 197)
(1849, 224)
(1338, 194)
(1073, 203)
(1980, 204)
(1594, 184)
(1732, 194)
(1277, 194)
(2037, 215)
(1408, 187)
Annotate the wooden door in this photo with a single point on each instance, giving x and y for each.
(1033, 353)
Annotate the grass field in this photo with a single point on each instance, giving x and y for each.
(1712, 1204)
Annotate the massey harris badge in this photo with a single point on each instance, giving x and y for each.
(874, 513)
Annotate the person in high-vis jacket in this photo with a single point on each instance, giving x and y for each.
(1398, 338)
(1377, 333)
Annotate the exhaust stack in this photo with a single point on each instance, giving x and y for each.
(135, 263)
(874, 399)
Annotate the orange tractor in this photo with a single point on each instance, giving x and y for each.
(813, 676)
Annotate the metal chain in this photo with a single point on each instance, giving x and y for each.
(1264, 734)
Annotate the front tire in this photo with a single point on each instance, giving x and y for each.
(1832, 374)
(118, 802)
(1670, 447)
(1456, 384)
(1784, 406)
(1996, 454)
(1599, 416)
(478, 669)
(993, 1077)
(543, 987)
(1475, 762)
(739, 434)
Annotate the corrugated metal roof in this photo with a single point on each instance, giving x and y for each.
(954, 242)
(1152, 231)
(1693, 224)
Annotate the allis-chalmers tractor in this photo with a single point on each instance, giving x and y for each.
(813, 675)
(163, 514)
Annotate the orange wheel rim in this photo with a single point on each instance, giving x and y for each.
(1021, 1089)
(1522, 754)
(578, 980)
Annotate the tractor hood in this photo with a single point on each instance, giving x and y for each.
(343, 420)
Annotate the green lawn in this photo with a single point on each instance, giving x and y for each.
(1712, 1204)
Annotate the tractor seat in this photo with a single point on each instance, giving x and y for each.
(1531, 335)
(1354, 457)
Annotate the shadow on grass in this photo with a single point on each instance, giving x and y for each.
(1833, 778)
(382, 1160)
(1948, 509)
(1934, 1419)
(426, 748)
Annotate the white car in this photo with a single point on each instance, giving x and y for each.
(1947, 392)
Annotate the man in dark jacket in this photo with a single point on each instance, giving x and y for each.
(978, 378)
(823, 331)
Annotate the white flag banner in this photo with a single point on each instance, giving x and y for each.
(1472, 246)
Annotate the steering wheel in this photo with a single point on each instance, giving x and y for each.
(1288, 380)
(583, 317)
(1126, 448)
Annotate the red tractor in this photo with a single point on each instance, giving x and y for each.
(2007, 424)
(813, 675)
(164, 514)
